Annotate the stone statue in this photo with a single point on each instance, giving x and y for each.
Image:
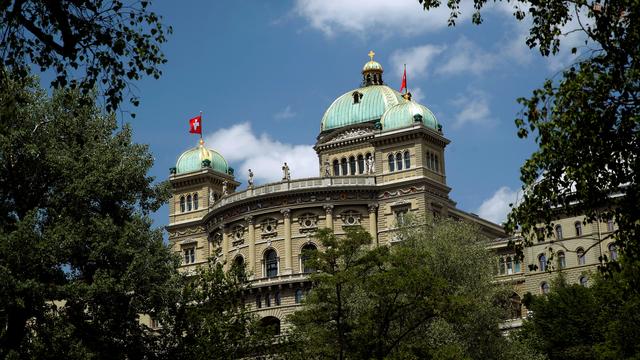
(371, 166)
(286, 176)
(225, 188)
(250, 180)
(327, 168)
(212, 198)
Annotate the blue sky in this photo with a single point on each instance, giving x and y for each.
(263, 73)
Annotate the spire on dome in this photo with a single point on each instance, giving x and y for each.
(372, 71)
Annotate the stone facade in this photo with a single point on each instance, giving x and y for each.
(368, 175)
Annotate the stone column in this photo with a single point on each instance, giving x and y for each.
(373, 223)
(329, 211)
(251, 268)
(225, 246)
(288, 268)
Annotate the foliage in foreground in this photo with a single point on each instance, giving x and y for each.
(79, 260)
(210, 320)
(427, 297)
(595, 322)
(586, 122)
(87, 44)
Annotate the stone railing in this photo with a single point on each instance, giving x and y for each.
(297, 184)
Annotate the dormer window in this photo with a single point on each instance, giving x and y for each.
(357, 96)
(351, 218)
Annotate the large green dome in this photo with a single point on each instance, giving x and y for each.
(370, 105)
(408, 113)
(191, 160)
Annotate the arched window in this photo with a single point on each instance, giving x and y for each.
(544, 287)
(188, 202)
(352, 165)
(271, 325)
(516, 264)
(195, 201)
(391, 163)
(578, 226)
(238, 266)
(271, 263)
(277, 298)
(610, 225)
(360, 164)
(501, 266)
(305, 256)
(182, 204)
(258, 301)
(581, 256)
(509, 266)
(436, 164)
(407, 160)
(613, 252)
(399, 161)
(344, 167)
(583, 280)
(558, 232)
(515, 309)
(562, 262)
(542, 262)
(298, 296)
(336, 167)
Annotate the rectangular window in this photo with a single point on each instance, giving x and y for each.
(189, 255)
(401, 216)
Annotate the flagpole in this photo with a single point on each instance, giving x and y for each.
(201, 124)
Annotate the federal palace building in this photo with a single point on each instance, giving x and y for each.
(381, 156)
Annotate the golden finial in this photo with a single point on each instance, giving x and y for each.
(201, 142)
(371, 54)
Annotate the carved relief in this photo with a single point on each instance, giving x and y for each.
(350, 134)
(391, 194)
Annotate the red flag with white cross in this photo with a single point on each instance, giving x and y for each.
(195, 125)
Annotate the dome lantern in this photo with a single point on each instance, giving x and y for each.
(372, 72)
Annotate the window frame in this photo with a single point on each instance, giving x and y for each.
(271, 266)
(391, 162)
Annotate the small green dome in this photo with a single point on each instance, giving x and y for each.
(404, 114)
(372, 65)
(191, 160)
(360, 105)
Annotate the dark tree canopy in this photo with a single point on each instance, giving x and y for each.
(79, 261)
(427, 297)
(586, 121)
(86, 43)
(595, 322)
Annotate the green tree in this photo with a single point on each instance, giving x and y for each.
(586, 122)
(79, 260)
(86, 43)
(429, 296)
(210, 320)
(576, 322)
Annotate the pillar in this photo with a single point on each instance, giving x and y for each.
(225, 246)
(329, 212)
(288, 268)
(252, 246)
(373, 223)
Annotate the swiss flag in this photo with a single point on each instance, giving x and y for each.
(404, 80)
(195, 125)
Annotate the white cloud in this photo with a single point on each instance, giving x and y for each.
(418, 59)
(286, 113)
(465, 56)
(245, 150)
(472, 107)
(417, 94)
(385, 17)
(496, 208)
